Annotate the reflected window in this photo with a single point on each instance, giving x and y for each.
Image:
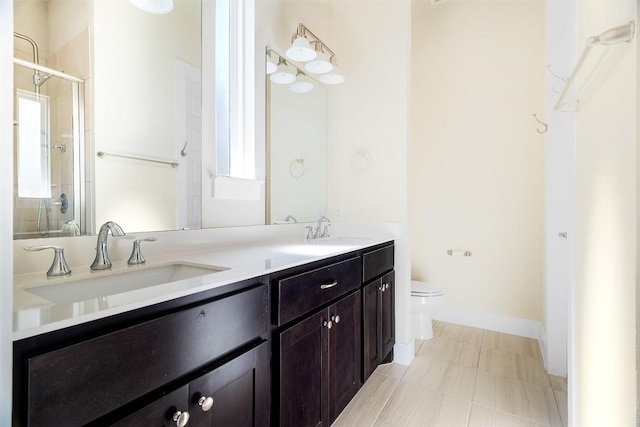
(234, 89)
(34, 164)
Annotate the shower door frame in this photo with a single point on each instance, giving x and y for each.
(81, 203)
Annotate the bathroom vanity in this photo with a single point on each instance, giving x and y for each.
(282, 345)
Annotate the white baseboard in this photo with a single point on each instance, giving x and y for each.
(403, 353)
(495, 322)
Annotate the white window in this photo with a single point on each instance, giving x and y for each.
(234, 89)
(34, 164)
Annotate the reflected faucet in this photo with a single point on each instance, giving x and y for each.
(319, 231)
(102, 262)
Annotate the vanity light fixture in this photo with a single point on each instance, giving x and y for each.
(323, 60)
(157, 7)
(334, 77)
(284, 74)
(300, 49)
(302, 84)
(320, 64)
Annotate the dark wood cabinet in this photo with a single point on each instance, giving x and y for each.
(234, 394)
(105, 377)
(288, 349)
(319, 364)
(378, 325)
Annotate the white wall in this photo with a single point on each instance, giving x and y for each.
(476, 160)
(559, 173)
(6, 205)
(603, 379)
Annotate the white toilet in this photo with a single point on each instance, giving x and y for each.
(425, 298)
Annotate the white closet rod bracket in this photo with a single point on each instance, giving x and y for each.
(623, 33)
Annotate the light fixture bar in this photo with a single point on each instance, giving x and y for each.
(303, 31)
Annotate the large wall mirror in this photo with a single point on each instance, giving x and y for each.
(297, 149)
(107, 117)
(111, 124)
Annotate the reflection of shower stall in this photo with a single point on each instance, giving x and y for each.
(48, 150)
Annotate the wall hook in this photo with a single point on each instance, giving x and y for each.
(544, 125)
(553, 89)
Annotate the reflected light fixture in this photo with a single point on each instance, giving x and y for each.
(302, 84)
(270, 65)
(157, 7)
(283, 74)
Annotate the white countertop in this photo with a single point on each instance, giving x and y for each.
(34, 315)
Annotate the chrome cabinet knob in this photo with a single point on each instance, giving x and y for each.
(327, 324)
(335, 319)
(206, 403)
(386, 286)
(181, 418)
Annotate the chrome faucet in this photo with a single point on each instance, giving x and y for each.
(102, 262)
(320, 232)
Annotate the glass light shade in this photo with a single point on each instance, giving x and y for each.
(158, 7)
(270, 66)
(283, 75)
(332, 78)
(301, 86)
(320, 65)
(301, 50)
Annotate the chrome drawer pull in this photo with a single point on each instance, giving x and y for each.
(329, 285)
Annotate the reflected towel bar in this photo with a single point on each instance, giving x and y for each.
(103, 154)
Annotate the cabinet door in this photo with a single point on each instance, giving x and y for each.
(371, 327)
(388, 336)
(344, 353)
(303, 381)
(161, 412)
(235, 394)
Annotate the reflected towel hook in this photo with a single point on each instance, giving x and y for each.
(545, 126)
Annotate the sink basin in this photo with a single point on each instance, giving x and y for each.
(110, 284)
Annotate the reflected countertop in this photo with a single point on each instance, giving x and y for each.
(34, 315)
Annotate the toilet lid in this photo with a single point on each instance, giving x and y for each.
(424, 289)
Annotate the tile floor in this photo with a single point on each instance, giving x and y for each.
(462, 377)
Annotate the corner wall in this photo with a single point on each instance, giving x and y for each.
(603, 384)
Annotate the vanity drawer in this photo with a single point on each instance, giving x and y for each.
(79, 383)
(299, 294)
(376, 263)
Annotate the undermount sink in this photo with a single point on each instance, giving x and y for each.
(111, 284)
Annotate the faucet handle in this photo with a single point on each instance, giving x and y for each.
(136, 257)
(325, 231)
(309, 232)
(59, 267)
